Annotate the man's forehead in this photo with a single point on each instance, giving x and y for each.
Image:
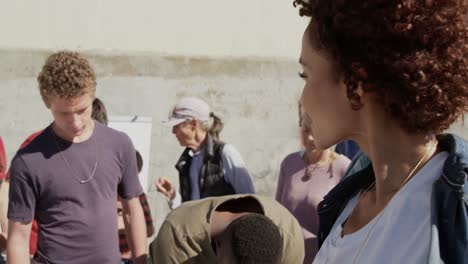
(71, 103)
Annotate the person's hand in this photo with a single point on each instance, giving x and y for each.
(165, 187)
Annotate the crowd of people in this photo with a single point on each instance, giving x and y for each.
(386, 77)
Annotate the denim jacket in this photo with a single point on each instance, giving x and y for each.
(449, 201)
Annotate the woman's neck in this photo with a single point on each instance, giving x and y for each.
(316, 156)
(396, 157)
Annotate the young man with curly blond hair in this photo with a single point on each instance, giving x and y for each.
(69, 176)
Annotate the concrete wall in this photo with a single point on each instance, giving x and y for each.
(240, 56)
(257, 99)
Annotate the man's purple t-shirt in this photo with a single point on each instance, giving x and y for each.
(77, 222)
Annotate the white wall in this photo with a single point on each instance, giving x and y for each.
(265, 28)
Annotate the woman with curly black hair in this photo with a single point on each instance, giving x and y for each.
(392, 76)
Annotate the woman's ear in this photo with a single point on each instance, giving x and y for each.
(354, 89)
(360, 90)
(355, 96)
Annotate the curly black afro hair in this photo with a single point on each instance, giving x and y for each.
(412, 54)
(256, 239)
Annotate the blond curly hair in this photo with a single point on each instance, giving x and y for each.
(66, 75)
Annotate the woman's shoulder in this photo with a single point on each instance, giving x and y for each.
(229, 149)
(230, 152)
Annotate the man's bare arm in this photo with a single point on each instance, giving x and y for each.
(18, 242)
(135, 228)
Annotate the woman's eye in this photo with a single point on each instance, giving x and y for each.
(302, 75)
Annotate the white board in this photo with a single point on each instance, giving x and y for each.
(138, 128)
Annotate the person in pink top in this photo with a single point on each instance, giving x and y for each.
(305, 178)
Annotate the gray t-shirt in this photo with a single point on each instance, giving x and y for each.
(77, 222)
